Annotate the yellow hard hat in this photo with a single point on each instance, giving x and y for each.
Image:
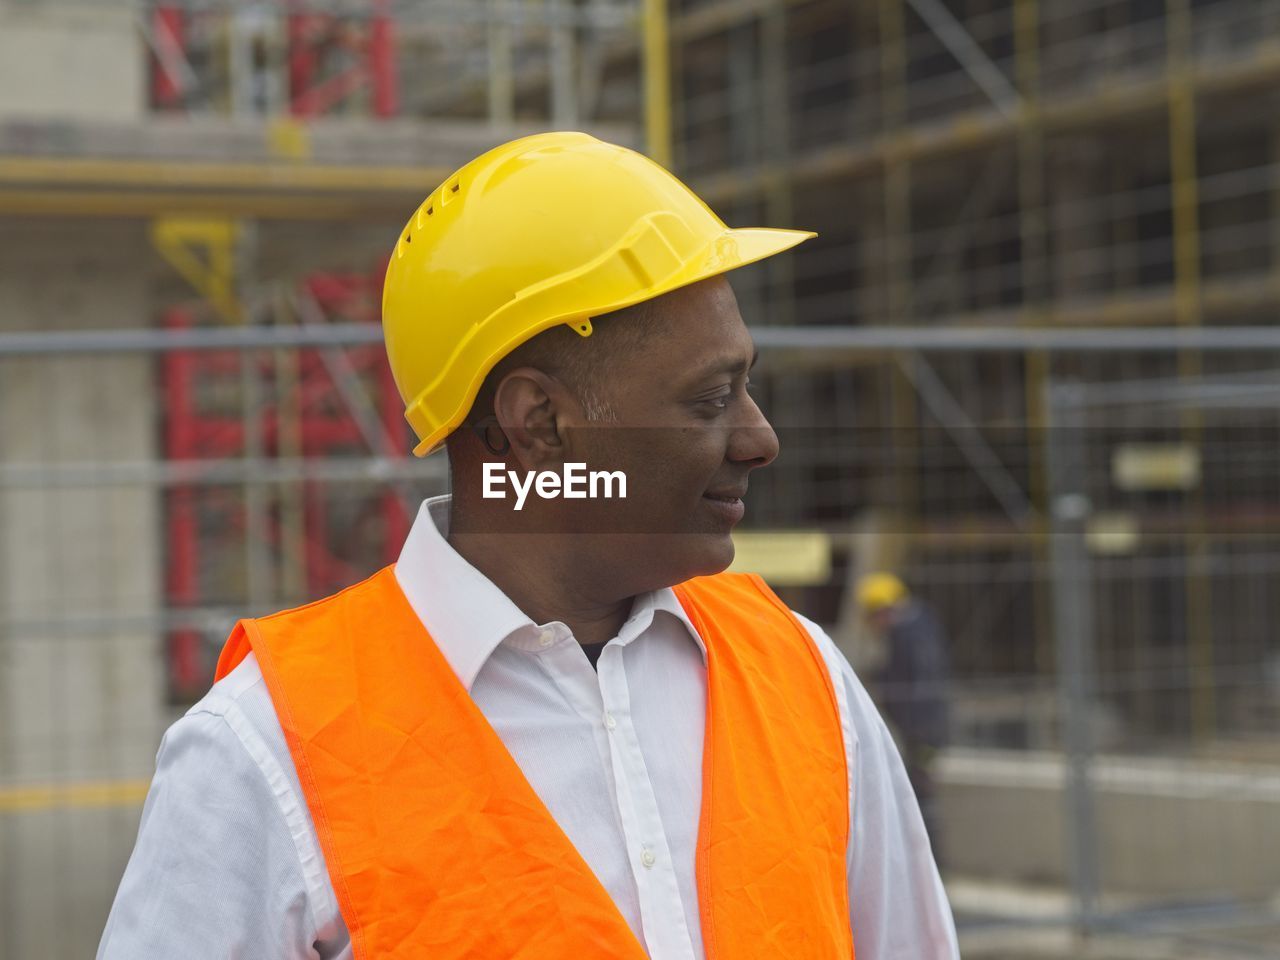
(553, 228)
(879, 590)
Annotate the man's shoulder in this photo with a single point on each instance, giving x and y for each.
(243, 702)
(241, 687)
(299, 627)
(373, 588)
(834, 657)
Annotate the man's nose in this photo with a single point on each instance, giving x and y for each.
(754, 441)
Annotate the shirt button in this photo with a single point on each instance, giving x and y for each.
(647, 857)
(609, 721)
(546, 637)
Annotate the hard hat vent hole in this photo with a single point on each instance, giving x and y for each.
(408, 238)
(429, 211)
(455, 187)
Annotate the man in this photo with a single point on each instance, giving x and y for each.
(912, 684)
(556, 731)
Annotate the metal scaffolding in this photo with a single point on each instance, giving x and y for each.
(1009, 195)
(1029, 361)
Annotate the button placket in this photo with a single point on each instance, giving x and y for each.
(661, 910)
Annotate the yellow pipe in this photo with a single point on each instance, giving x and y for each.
(145, 205)
(274, 176)
(721, 15)
(657, 82)
(63, 796)
(501, 77)
(903, 409)
(986, 128)
(1202, 693)
(1034, 259)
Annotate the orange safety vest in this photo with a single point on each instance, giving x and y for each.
(437, 845)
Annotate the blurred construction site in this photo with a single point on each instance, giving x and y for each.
(1031, 363)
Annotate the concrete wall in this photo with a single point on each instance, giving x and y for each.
(81, 688)
(70, 62)
(1166, 828)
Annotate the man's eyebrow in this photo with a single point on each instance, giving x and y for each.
(729, 365)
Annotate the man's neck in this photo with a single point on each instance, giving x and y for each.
(543, 591)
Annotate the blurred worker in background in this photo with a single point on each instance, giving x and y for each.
(558, 732)
(912, 685)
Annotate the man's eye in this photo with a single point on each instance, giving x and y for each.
(722, 402)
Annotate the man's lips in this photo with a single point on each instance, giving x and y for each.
(727, 504)
(726, 495)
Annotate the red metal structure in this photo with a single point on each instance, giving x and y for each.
(168, 28)
(306, 412)
(328, 57)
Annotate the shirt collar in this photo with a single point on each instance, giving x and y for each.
(468, 616)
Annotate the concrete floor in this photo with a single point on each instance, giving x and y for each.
(998, 921)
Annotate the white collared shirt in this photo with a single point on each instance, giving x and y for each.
(227, 863)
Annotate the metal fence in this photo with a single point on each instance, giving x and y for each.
(1087, 499)
(1115, 767)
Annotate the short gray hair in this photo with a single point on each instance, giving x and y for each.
(582, 364)
(595, 409)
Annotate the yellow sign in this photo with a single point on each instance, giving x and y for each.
(288, 139)
(1113, 533)
(1156, 466)
(785, 558)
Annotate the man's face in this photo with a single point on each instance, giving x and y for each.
(687, 431)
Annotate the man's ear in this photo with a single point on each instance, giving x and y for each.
(530, 406)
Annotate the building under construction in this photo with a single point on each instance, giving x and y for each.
(1029, 362)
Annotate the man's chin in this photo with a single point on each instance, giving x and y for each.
(675, 557)
(705, 554)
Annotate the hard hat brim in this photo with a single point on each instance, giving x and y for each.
(737, 248)
(731, 249)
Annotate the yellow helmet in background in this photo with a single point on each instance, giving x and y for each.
(553, 228)
(879, 590)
